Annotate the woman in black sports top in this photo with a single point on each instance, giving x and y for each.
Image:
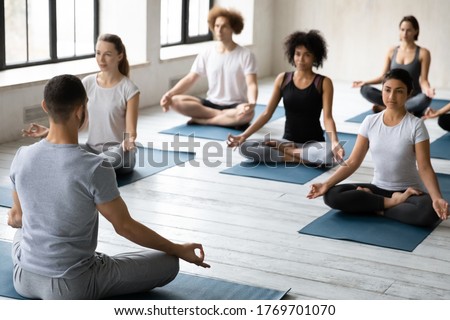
(305, 94)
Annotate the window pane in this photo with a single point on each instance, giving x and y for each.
(171, 16)
(38, 30)
(65, 11)
(15, 31)
(198, 17)
(84, 26)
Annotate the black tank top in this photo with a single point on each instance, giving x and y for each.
(303, 108)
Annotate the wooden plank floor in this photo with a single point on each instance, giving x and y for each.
(249, 226)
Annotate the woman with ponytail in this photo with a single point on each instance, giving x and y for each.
(113, 102)
(113, 105)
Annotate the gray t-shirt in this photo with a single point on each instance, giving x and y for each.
(392, 150)
(107, 109)
(59, 186)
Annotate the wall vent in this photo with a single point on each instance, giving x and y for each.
(33, 114)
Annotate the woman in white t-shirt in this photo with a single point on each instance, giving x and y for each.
(112, 106)
(397, 141)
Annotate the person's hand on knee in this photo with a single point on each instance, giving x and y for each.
(166, 102)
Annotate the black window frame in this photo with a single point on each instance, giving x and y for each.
(185, 38)
(52, 39)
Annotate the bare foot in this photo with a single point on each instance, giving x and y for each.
(364, 189)
(400, 197)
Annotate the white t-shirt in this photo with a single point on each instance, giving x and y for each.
(392, 150)
(107, 110)
(226, 73)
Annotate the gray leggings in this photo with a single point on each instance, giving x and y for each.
(109, 276)
(122, 161)
(416, 104)
(318, 153)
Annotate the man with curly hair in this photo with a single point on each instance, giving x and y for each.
(231, 73)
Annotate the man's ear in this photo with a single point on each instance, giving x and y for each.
(80, 112)
(44, 106)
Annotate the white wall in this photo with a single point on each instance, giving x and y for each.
(359, 33)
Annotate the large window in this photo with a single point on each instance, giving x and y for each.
(184, 21)
(44, 31)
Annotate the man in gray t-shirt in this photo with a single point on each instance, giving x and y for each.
(62, 188)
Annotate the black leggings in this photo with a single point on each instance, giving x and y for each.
(416, 210)
(444, 121)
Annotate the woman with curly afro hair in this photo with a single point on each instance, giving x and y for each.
(305, 94)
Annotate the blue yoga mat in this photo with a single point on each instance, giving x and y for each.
(368, 229)
(6, 197)
(287, 172)
(444, 184)
(440, 148)
(191, 287)
(371, 229)
(435, 104)
(150, 161)
(184, 287)
(216, 132)
(360, 117)
(6, 272)
(438, 103)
